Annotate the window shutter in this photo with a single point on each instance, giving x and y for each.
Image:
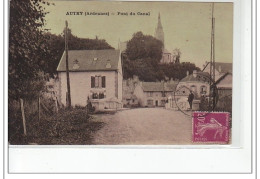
(103, 81)
(92, 81)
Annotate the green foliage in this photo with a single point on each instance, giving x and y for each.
(56, 44)
(26, 46)
(32, 51)
(144, 46)
(146, 71)
(178, 70)
(72, 126)
(142, 58)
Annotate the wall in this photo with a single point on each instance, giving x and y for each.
(80, 84)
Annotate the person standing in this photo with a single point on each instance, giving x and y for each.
(190, 99)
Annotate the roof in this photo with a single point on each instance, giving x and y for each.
(158, 86)
(201, 76)
(222, 83)
(90, 60)
(225, 67)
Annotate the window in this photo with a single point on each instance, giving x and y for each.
(100, 95)
(203, 90)
(98, 81)
(150, 94)
(193, 88)
(163, 94)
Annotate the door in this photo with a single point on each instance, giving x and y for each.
(156, 103)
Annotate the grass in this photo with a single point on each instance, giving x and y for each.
(67, 127)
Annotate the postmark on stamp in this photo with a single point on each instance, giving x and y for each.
(210, 127)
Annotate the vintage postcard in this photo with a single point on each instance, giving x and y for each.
(120, 73)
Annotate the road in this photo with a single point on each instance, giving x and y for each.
(147, 126)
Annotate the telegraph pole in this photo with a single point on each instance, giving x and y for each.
(212, 58)
(67, 66)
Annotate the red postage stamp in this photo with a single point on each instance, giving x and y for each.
(210, 127)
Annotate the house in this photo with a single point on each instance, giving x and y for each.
(223, 78)
(220, 69)
(95, 75)
(198, 83)
(150, 94)
(224, 90)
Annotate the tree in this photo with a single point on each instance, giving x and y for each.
(144, 46)
(26, 46)
(177, 55)
(178, 70)
(55, 46)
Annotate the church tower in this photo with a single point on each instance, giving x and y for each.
(159, 34)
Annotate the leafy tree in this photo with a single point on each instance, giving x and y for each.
(26, 46)
(178, 70)
(144, 46)
(177, 55)
(56, 47)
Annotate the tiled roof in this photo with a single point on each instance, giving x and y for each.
(201, 76)
(90, 60)
(159, 86)
(225, 67)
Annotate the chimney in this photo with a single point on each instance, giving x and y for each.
(195, 73)
(187, 73)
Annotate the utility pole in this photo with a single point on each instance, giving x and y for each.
(212, 58)
(67, 66)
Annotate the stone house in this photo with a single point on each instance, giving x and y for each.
(220, 69)
(198, 83)
(95, 75)
(150, 94)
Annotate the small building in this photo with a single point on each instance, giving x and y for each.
(153, 94)
(224, 90)
(94, 74)
(198, 83)
(220, 69)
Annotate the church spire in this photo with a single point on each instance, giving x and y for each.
(159, 34)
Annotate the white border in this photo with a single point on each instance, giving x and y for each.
(126, 159)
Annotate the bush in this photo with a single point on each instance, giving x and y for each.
(68, 126)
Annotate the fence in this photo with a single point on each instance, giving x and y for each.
(24, 118)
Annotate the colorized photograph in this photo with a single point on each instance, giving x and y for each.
(120, 73)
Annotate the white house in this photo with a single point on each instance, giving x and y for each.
(154, 93)
(198, 83)
(94, 74)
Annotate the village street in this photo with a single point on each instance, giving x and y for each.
(146, 126)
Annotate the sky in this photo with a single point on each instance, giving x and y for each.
(186, 25)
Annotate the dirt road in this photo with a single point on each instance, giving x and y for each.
(144, 126)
